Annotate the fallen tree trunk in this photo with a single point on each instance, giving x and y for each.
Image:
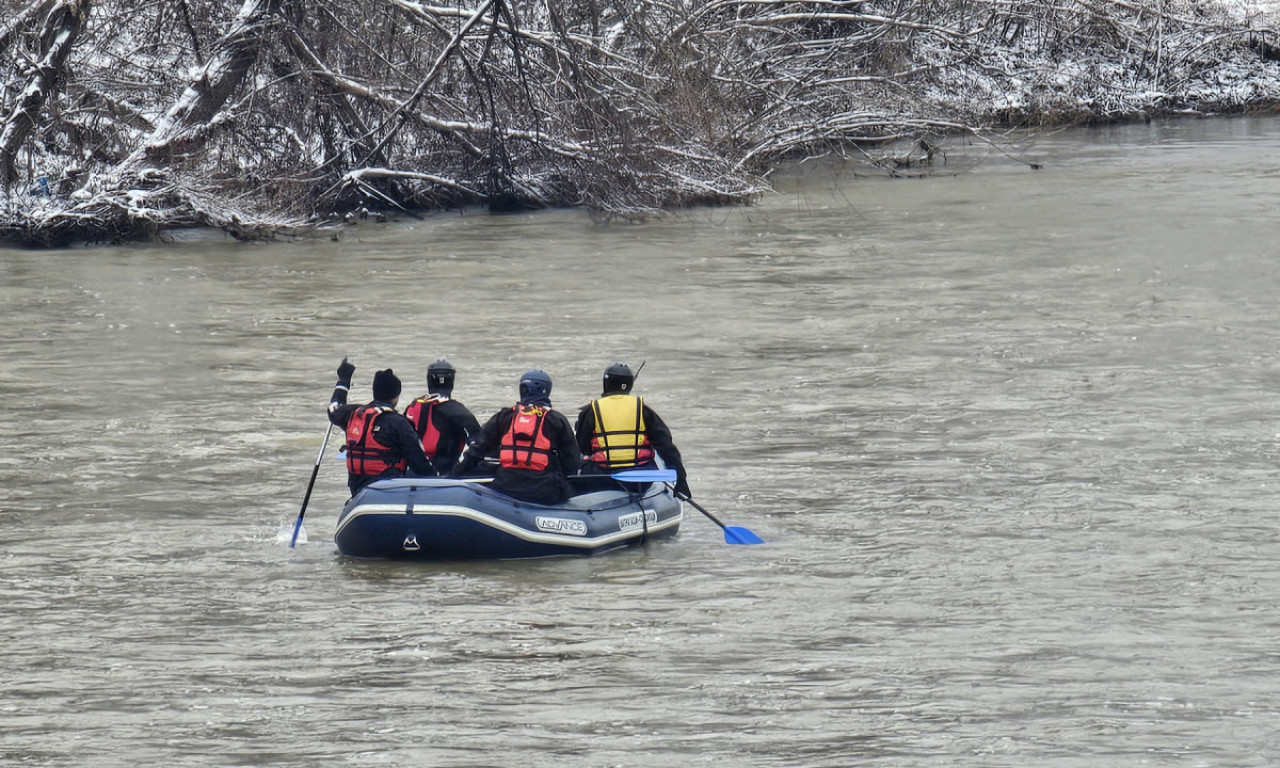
(189, 120)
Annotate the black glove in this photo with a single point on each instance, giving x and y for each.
(345, 372)
(682, 488)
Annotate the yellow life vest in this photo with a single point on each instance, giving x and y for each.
(619, 440)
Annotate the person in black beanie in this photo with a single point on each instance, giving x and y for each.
(380, 442)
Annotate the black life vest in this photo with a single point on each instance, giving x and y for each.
(620, 439)
(366, 456)
(526, 445)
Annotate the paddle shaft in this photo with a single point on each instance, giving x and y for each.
(297, 526)
(733, 534)
(699, 507)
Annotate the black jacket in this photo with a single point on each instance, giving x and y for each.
(392, 429)
(540, 487)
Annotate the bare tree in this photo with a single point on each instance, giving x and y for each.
(124, 117)
(63, 21)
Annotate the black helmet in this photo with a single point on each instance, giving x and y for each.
(535, 387)
(440, 377)
(618, 378)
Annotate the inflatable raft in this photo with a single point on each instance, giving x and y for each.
(439, 519)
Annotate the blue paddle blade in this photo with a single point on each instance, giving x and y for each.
(735, 534)
(646, 475)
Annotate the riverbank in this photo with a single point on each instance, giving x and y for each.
(1182, 72)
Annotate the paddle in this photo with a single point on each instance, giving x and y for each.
(645, 475)
(297, 526)
(733, 534)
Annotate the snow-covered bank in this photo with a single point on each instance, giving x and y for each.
(1263, 7)
(1194, 58)
(120, 119)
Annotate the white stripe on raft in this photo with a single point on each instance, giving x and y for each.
(502, 525)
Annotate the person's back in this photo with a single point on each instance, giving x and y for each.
(380, 442)
(534, 445)
(619, 431)
(443, 425)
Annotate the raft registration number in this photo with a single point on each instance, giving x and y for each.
(627, 522)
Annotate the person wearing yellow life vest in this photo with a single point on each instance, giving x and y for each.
(380, 442)
(619, 431)
(443, 424)
(534, 445)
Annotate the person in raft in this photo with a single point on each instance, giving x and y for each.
(443, 424)
(534, 444)
(380, 441)
(618, 431)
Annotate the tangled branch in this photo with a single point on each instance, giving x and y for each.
(123, 117)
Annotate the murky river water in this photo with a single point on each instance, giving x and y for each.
(1011, 435)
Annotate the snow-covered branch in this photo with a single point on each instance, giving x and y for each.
(62, 26)
(120, 117)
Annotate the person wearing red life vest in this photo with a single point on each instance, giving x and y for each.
(380, 442)
(534, 445)
(619, 431)
(443, 424)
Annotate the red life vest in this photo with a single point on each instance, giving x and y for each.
(620, 439)
(366, 456)
(525, 445)
(420, 412)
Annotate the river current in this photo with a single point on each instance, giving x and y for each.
(1010, 435)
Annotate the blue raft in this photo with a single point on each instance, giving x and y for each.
(439, 519)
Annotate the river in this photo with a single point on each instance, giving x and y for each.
(1009, 435)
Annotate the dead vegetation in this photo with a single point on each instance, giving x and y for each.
(122, 118)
